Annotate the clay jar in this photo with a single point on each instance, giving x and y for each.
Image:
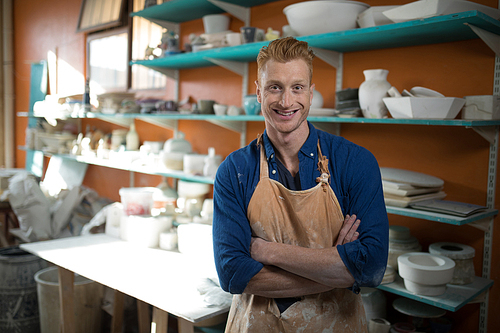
(371, 92)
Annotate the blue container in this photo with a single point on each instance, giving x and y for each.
(251, 105)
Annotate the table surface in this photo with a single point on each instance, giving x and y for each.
(165, 279)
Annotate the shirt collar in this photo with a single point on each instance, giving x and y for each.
(308, 149)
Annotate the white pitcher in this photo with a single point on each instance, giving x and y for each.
(371, 92)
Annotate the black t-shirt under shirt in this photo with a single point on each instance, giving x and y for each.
(291, 183)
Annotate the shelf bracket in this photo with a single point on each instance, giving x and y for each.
(171, 26)
(233, 66)
(332, 128)
(491, 39)
(170, 124)
(121, 121)
(481, 298)
(334, 59)
(235, 126)
(483, 224)
(171, 73)
(240, 12)
(487, 132)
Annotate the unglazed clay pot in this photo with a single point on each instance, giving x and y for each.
(371, 92)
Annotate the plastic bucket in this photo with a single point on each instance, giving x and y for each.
(137, 200)
(87, 302)
(18, 297)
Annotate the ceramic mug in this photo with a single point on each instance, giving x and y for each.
(233, 38)
(206, 106)
(252, 34)
(251, 105)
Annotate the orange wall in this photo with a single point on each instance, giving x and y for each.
(457, 155)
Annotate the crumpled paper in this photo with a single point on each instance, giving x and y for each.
(30, 205)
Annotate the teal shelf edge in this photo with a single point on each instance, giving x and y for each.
(444, 218)
(432, 30)
(340, 120)
(438, 29)
(455, 297)
(178, 11)
(139, 169)
(360, 120)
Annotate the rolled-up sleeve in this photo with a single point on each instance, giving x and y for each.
(231, 229)
(366, 258)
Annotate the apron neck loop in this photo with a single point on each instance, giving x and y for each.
(323, 168)
(264, 169)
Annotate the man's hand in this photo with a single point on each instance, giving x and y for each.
(349, 232)
(258, 250)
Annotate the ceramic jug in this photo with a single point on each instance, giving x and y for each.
(371, 92)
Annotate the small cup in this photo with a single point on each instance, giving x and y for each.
(220, 109)
(252, 34)
(206, 106)
(233, 39)
(234, 110)
(251, 105)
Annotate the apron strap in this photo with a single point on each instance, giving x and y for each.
(264, 169)
(323, 168)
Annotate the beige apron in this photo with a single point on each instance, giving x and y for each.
(310, 218)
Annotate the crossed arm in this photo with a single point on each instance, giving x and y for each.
(292, 271)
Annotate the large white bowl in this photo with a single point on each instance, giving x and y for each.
(317, 17)
(424, 107)
(424, 273)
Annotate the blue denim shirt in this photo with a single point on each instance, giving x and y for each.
(355, 180)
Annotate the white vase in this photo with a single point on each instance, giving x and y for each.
(371, 92)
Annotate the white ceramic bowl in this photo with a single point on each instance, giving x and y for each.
(172, 161)
(55, 141)
(317, 17)
(424, 273)
(424, 107)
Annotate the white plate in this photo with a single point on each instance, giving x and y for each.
(322, 112)
(410, 177)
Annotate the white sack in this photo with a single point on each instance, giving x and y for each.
(30, 206)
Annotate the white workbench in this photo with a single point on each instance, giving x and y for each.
(166, 280)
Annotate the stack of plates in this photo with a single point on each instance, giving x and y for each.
(404, 187)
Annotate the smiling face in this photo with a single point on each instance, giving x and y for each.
(285, 92)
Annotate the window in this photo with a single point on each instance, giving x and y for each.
(101, 14)
(109, 53)
(145, 34)
(108, 60)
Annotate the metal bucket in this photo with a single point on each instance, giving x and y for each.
(18, 297)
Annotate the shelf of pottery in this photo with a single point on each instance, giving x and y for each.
(329, 46)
